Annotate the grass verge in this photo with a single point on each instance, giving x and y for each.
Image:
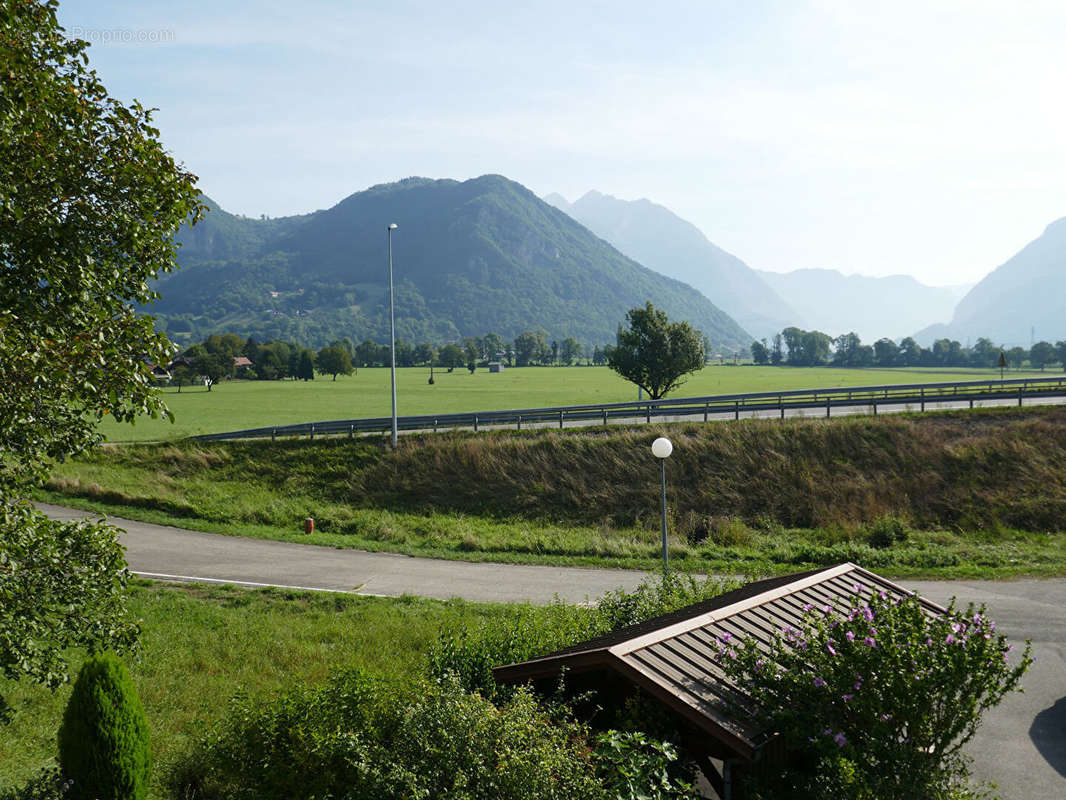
(955, 494)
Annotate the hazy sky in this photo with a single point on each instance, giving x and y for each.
(926, 138)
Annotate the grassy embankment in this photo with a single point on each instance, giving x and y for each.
(234, 405)
(201, 646)
(979, 493)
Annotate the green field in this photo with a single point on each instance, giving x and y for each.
(233, 405)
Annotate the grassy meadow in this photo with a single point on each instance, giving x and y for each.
(233, 405)
(200, 646)
(949, 494)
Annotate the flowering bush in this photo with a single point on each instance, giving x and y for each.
(874, 699)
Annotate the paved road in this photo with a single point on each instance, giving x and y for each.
(1022, 743)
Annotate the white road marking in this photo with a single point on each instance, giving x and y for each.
(199, 579)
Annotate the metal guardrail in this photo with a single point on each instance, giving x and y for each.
(915, 394)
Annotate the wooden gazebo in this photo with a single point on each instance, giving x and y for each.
(674, 659)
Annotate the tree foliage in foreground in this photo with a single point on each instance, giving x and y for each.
(89, 201)
(655, 353)
(877, 699)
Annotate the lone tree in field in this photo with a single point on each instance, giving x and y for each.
(655, 353)
(89, 203)
(333, 361)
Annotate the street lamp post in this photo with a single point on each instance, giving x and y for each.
(661, 448)
(392, 335)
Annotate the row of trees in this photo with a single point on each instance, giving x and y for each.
(217, 357)
(797, 347)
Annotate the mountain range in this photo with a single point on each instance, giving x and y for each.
(894, 307)
(660, 239)
(471, 257)
(1021, 301)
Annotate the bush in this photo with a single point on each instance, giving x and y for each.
(358, 738)
(885, 532)
(471, 655)
(46, 785)
(103, 740)
(635, 767)
(876, 701)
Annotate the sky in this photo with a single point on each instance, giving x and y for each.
(915, 137)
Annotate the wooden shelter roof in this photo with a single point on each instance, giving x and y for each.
(675, 657)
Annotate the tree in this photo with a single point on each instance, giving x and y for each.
(528, 347)
(776, 352)
(886, 353)
(368, 353)
(182, 376)
(451, 356)
(655, 353)
(211, 368)
(846, 349)
(1060, 354)
(1042, 354)
(1016, 356)
(984, 353)
(760, 354)
(910, 354)
(305, 367)
(494, 346)
(333, 361)
(103, 741)
(425, 353)
(89, 203)
(570, 351)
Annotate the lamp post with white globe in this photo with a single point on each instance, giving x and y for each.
(661, 448)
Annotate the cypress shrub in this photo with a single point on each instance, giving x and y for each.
(103, 741)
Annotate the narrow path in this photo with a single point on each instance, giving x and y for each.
(1022, 744)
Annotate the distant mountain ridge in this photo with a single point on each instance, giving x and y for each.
(894, 306)
(1021, 300)
(658, 238)
(471, 257)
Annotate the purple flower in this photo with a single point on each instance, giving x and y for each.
(883, 595)
(949, 639)
(858, 588)
(928, 642)
(726, 637)
(829, 647)
(847, 697)
(732, 653)
(869, 642)
(827, 609)
(849, 636)
(807, 606)
(818, 681)
(867, 614)
(827, 731)
(840, 739)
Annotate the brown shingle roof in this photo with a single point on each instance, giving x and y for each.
(675, 657)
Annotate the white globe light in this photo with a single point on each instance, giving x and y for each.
(662, 447)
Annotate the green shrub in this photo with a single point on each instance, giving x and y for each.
(636, 767)
(358, 738)
(103, 740)
(46, 785)
(876, 701)
(885, 532)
